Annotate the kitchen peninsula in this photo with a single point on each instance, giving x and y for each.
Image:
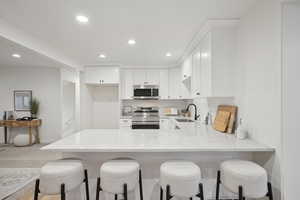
(202, 145)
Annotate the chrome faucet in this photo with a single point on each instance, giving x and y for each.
(187, 109)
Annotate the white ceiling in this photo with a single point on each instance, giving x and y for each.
(158, 26)
(29, 58)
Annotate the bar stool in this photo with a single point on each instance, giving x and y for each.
(181, 179)
(245, 178)
(119, 177)
(61, 176)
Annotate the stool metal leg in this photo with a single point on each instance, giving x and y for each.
(218, 185)
(86, 180)
(116, 197)
(241, 193)
(161, 194)
(141, 185)
(98, 190)
(36, 189)
(270, 192)
(62, 192)
(201, 193)
(168, 193)
(125, 191)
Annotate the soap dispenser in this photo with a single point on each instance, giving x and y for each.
(241, 131)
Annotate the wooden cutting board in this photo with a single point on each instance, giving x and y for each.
(233, 112)
(221, 121)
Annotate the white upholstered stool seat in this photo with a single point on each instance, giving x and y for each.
(182, 178)
(61, 176)
(246, 177)
(119, 177)
(115, 173)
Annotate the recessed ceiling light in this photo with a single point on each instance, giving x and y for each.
(15, 55)
(102, 56)
(168, 54)
(82, 19)
(131, 42)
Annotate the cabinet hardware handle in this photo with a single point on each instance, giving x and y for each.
(198, 93)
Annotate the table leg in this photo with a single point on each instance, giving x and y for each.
(37, 135)
(30, 136)
(5, 135)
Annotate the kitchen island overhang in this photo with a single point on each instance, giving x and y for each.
(189, 140)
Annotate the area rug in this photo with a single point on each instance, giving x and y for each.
(13, 180)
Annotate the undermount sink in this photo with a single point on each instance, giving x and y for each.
(184, 120)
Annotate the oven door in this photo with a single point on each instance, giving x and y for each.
(145, 125)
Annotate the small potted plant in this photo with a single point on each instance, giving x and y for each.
(34, 108)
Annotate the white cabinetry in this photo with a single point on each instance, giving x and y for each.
(174, 83)
(102, 75)
(217, 62)
(177, 88)
(164, 84)
(195, 79)
(186, 68)
(125, 124)
(126, 84)
(145, 77)
(152, 77)
(164, 124)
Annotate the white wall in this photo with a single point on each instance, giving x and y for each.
(68, 108)
(100, 106)
(70, 100)
(291, 99)
(259, 81)
(45, 85)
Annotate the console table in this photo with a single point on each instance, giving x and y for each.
(33, 124)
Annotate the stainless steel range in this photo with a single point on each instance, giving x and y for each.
(145, 118)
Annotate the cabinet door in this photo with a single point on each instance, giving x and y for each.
(195, 89)
(164, 84)
(174, 83)
(127, 84)
(102, 75)
(164, 124)
(186, 68)
(205, 66)
(139, 77)
(152, 77)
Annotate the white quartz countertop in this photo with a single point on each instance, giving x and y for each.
(191, 139)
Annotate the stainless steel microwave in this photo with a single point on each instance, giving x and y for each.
(146, 92)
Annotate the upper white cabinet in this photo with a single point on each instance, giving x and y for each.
(174, 83)
(186, 68)
(102, 75)
(126, 84)
(217, 62)
(164, 84)
(139, 77)
(169, 80)
(195, 79)
(153, 76)
(145, 77)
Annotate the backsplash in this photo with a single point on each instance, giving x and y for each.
(179, 104)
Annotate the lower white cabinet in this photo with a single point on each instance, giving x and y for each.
(164, 124)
